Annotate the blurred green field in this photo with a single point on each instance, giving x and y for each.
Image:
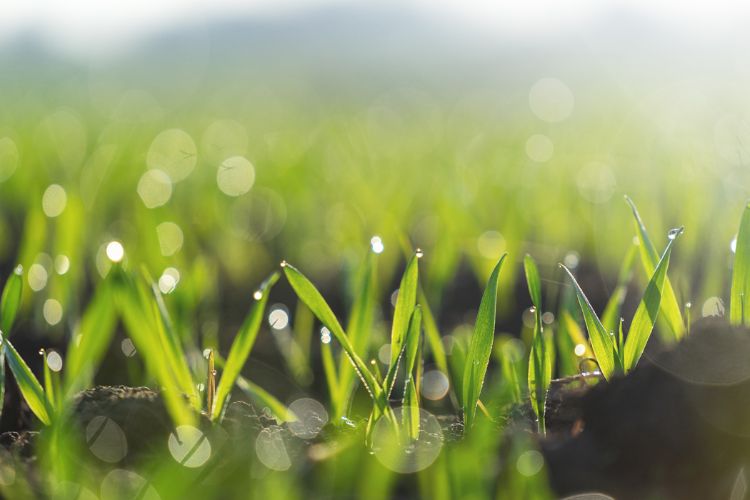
(206, 186)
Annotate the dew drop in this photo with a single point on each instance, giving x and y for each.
(283, 263)
(674, 233)
(258, 295)
(419, 253)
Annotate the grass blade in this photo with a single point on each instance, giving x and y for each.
(480, 348)
(648, 310)
(739, 306)
(405, 302)
(611, 314)
(310, 295)
(411, 397)
(242, 345)
(89, 344)
(601, 341)
(359, 329)
(30, 388)
(540, 370)
(10, 301)
(670, 308)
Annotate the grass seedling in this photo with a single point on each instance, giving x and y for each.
(540, 357)
(241, 347)
(739, 306)
(612, 357)
(670, 308)
(480, 348)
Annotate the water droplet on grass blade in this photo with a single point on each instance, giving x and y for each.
(376, 243)
(257, 295)
(325, 335)
(419, 253)
(674, 233)
(115, 251)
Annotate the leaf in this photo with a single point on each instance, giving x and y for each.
(611, 314)
(432, 334)
(90, 342)
(132, 299)
(739, 306)
(647, 311)
(533, 281)
(540, 367)
(242, 345)
(405, 302)
(480, 348)
(30, 388)
(601, 341)
(670, 308)
(310, 295)
(359, 329)
(10, 301)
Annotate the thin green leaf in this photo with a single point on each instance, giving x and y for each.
(242, 345)
(132, 300)
(359, 329)
(432, 334)
(611, 314)
(645, 316)
(310, 295)
(10, 301)
(30, 388)
(533, 281)
(89, 344)
(739, 306)
(540, 369)
(601, 341)
(670, 308)
(405, 302)
(480, 348)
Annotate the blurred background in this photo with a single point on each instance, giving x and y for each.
(214, 139)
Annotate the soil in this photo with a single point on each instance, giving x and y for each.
(676, 427)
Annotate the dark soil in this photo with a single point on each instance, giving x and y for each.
(677, 427)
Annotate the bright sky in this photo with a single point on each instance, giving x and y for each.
(79, 26)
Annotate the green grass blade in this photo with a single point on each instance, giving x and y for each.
(670, 308)
(310, 295)
(89, 344)
(480, 348)
(611, 314)
(405, 302)
(332, 378)
(10, 301)
(739, 306)
(242, 345)
(540, 369)
(359, 329)
(410, 401)
(647, 311)
(533, 281)
(432, 334)
(30, 388)
(172, 345)
(131, 300)
(601, 341)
